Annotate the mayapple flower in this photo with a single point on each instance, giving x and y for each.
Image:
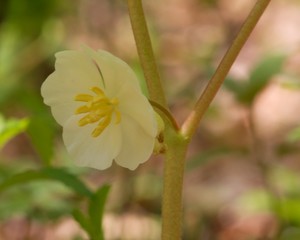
(97, 100)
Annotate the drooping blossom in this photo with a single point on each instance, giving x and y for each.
(97, 99)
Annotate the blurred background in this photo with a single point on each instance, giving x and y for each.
(243, 168)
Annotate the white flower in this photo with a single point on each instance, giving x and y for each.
(96, 97)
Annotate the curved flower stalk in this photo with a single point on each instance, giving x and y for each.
(97, 100)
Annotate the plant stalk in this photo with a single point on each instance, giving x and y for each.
(191, 123)
(145, 52)
(173, 183)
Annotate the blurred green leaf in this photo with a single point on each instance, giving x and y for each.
(246, 91)
(37, 200)
(13, 202)
(289, 210)
(82, 220)
(260, 76)
(58, 174)
(28, 17)
(9, 78)
(286, 180)
(42, 137)
(294, 135)
(205, 156)
(92, 224)
(255, 200)
(291, 233)
(265, 69)
(42, 127)
(10, 128)
(234, 85)
(96, 208)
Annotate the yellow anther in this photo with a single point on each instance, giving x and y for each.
(98, 91)
(101, 126)
(82, 109)
(84, 121)
(114, 101)
(83, 98)
(98, 108)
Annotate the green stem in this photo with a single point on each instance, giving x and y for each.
(191, 123)
(166, 115)
(145, 52)
(173, 182)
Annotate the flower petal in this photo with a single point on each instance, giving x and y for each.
(74, 73)
(134, 104)
(96, 152)
(114, 71)
(137, 145)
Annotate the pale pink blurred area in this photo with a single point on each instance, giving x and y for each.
(275, 110)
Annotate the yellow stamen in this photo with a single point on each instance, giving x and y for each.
(118, 116)
(98, 91)
(82, 109)
(98, 108)
(83, 98)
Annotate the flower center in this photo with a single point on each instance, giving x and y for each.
(98, 108)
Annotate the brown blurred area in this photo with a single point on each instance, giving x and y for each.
(243, 167)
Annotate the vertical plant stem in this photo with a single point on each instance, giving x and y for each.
(173, 182)
(191, 123)
(176, 143)
(177, 146)
(145, 52)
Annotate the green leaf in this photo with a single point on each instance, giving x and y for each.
(82, 220)
(205, 156)
(96, 209)
(246, 91)
(42, 137)
(259, 77)
(289, 210)
(255, 201)
(58, 174)
(39, 200)
(10, 128)
(29, 17)
(234, 85)
(290, 233)
(42, 127)
(93, 223)
(294, 135)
